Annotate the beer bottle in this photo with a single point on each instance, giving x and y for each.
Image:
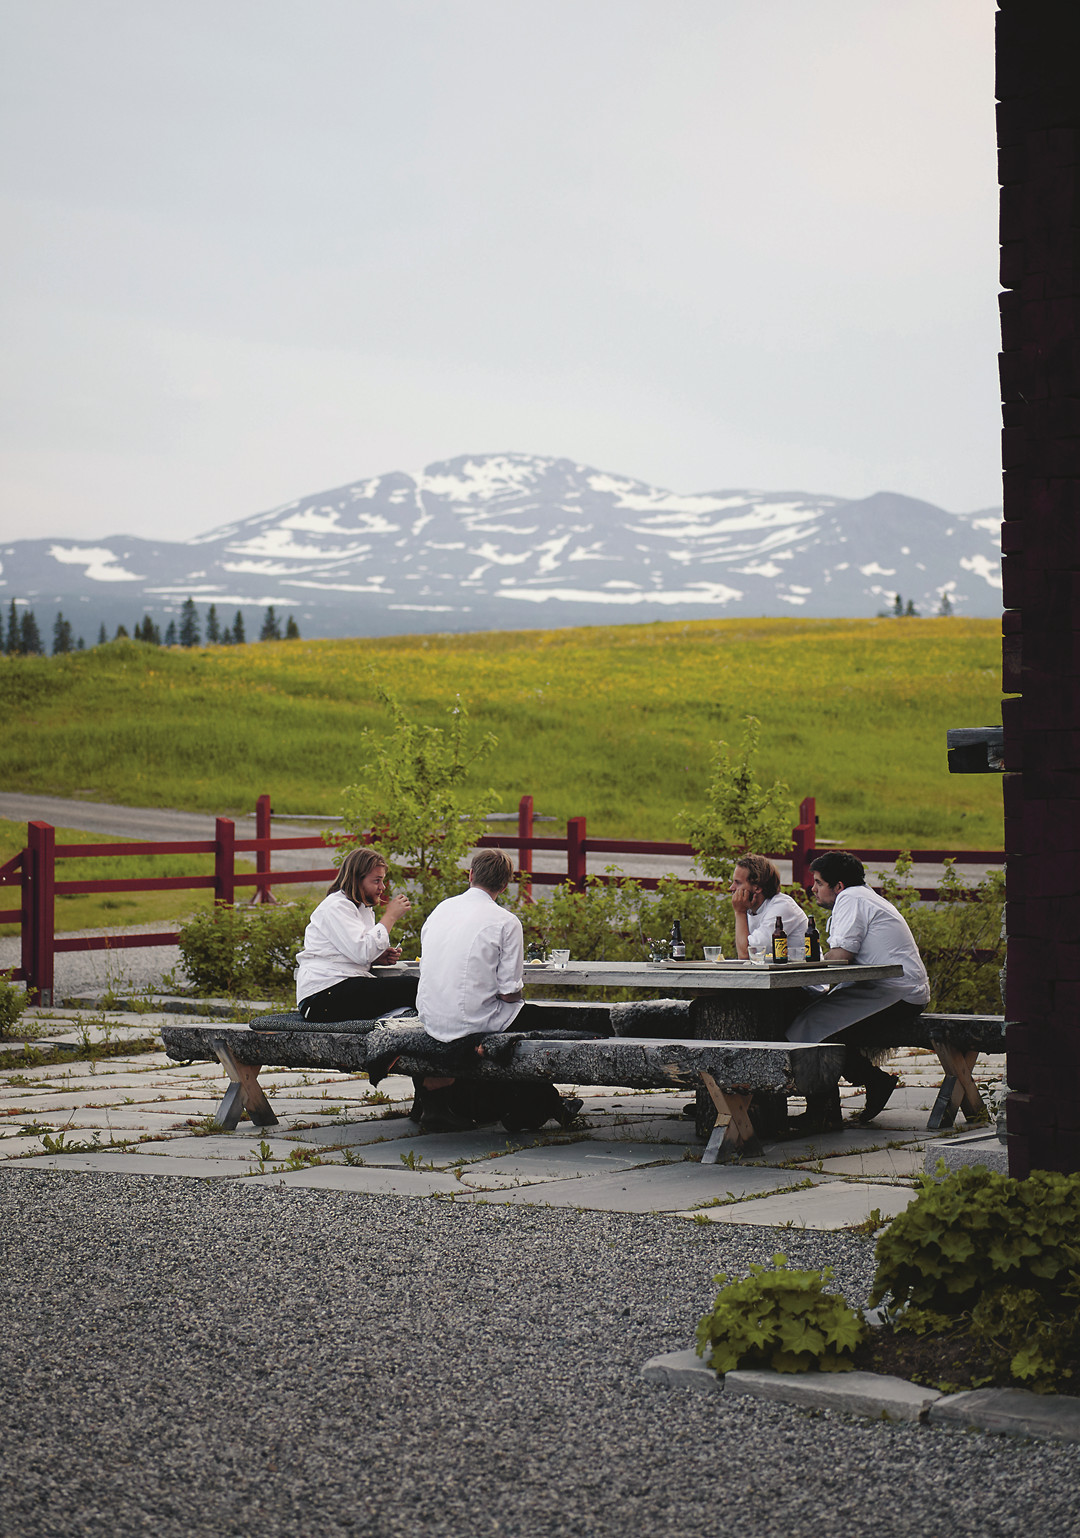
(779, 943)
(813, 942)
(678, 949)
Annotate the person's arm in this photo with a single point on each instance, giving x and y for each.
(344, 927)
(510, 968)
(847, 929)
(838, 953)
(740, 902)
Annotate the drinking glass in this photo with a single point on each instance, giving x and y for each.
(712, 952)
(560, 958)
(758, 954)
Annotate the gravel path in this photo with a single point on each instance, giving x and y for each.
(184, 1359)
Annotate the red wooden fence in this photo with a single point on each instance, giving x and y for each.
(33, 871)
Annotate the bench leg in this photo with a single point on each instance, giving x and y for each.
(734, 1133)
(957, 1088)
(243, 1094)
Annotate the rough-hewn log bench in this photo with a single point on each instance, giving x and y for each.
(956, 1039)
(731, 1071)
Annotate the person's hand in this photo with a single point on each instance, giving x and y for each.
(388, 958)
(741, 898)
(395, 909)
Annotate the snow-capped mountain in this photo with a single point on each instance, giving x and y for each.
(513, 541)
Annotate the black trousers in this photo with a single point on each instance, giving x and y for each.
(360, 998)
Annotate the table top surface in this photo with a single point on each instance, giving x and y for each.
(734, 976)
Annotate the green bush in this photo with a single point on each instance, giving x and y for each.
(994, 1259)
(779, 1318)
(243, 951)
(12, 1004)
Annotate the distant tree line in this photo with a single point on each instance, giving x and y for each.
(902, 610)
(22, 636)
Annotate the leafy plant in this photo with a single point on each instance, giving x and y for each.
(414, 807)
(243, 951)
(12, 1004)
(996, 1260)
(779, 1318)
(740, 813)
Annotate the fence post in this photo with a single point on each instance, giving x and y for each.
(263, 813)
(39, 911)
(804, 839)
(224, 860)
(575, 853)
(525, 856)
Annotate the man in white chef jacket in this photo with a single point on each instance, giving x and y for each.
(757, 902)
(865, 928)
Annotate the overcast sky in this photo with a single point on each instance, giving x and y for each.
(259, 248)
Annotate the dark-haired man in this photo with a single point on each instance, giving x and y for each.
(758, 902)
(866, 928)
(472, 957)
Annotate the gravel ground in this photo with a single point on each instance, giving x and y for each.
(78, 972)
(187, 1358)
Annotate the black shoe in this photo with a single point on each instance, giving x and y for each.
(822, 1114)
(570, 1110)
(878, 1092)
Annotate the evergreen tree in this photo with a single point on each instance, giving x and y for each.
(911, 612)
(11, 643)
(80, 645)
(239, 638)
(121, 633)
(30, 636)
(170, 633)
(189, 624)
(213, 629)
(898, 606)
(150, 632)
(271, 630)
(945, 607)
(292, 630)
(102, 638)
(226, 637)
(62, 638)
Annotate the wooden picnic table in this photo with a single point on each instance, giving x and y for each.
(734, 1000)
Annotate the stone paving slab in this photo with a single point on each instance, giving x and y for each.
(124, 1163)
(1013, 1412)
(356, 1133)
(227, 1149)
(885, 1163)
(659, 1131)
(982, 1147)
(665, 1188)
(837, 1204)
(378, 1182)
(854, 1393)
(129, 1118)
(563, 1161)
(837, 1145)
(682, 1369)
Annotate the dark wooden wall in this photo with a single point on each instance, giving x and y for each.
(1038, 89)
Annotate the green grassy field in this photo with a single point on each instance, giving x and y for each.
(617, 724)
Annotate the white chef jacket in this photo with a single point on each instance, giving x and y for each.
(471, 950)
(341, 940)
(868, 925)
(760, 925)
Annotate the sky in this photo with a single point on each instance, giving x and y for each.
(259, 248)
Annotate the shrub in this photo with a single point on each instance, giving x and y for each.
(12, 1004)
(995, 1259)
(782, 1319)
(740, 813)
(413, 805)
(238, 951)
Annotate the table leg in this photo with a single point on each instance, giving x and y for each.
(957, 1088)
(243, 1094)
(734, 1133)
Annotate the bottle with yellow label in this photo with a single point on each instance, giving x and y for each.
(779, 943)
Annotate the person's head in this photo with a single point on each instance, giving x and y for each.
(758, 876)
(491, 870)
(833, 872)
(362, 876)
